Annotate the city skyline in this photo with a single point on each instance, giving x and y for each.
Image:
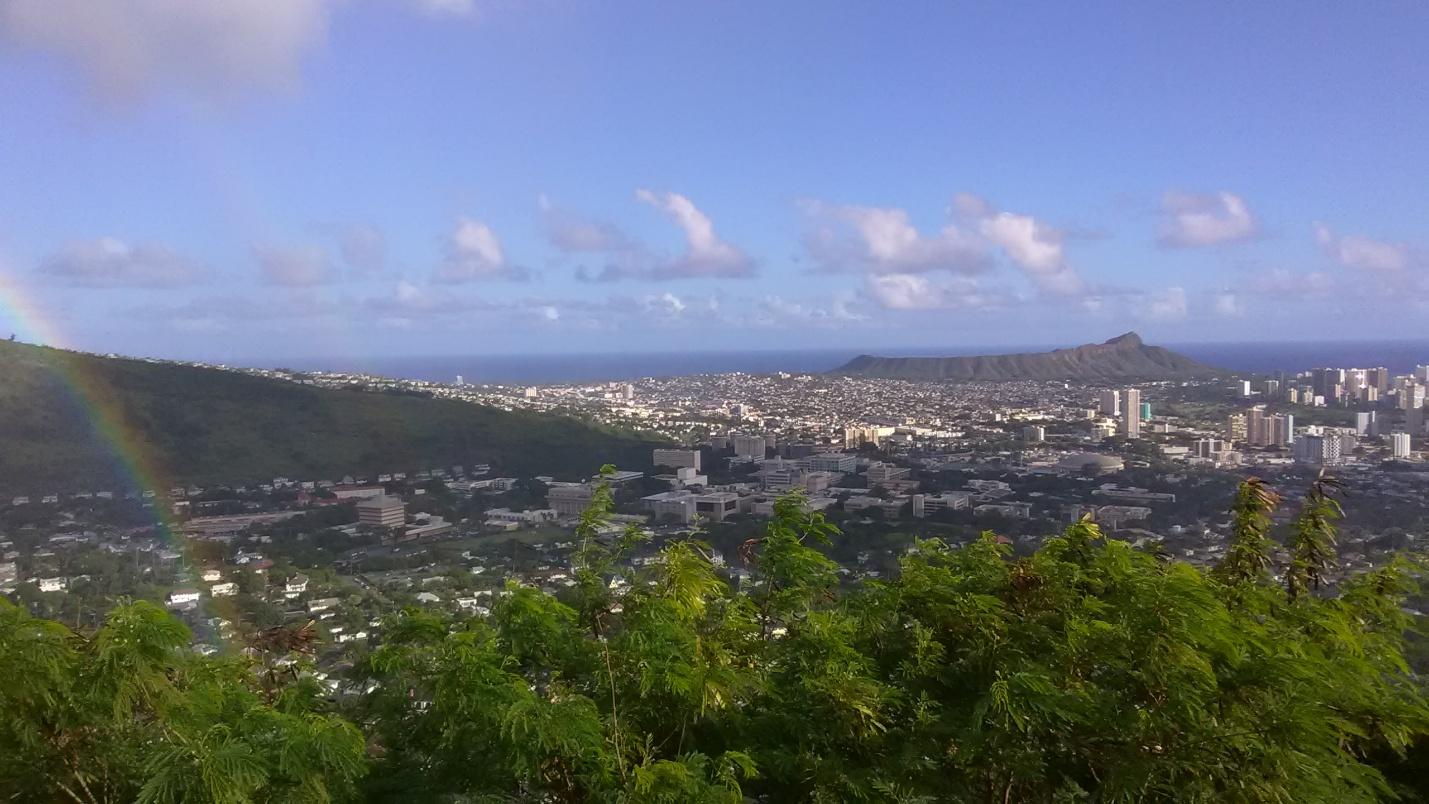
(218, 180)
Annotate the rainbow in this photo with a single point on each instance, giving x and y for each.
(93, 398)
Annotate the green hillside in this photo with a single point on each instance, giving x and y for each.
(209, 426)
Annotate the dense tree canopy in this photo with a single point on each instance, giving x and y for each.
(1086, 671)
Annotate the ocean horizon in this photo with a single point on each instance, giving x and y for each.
(1399, 357)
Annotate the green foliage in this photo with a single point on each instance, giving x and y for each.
(1087, 670)
(128, 714)
(207, 427)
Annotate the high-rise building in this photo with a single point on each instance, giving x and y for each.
(1236, 427)
(1399, 445)
(1364, 423)
(1414, 421)
(1131, 413)
(747, 446)
(1243, 388)
(1256, 429)
(1034, 433)
(1421, 373)
(1318, 450)
(1110, 403)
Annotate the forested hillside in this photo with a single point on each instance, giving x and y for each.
(1088, 671)
(60, 413)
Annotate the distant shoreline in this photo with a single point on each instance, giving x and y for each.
(1398, 356)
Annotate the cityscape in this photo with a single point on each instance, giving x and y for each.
(570, 402)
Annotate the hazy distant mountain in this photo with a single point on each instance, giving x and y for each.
(1124, 357)
(79, 422)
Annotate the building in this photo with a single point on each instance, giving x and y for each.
(1208, 447)
(1014, 510)
(1365, 423)
(679, 505)
(717, 505)
(885, 473)
(677, 458)
(228, 589)
(183, 597)
(382, 512)
(1399, 445)
(925, 504)
(1034, 433)
(569, 499)
(1318, 450)
(833, 462)
(1093, 462)
(1131, 413)
(749, 447)
(1110, 403)
(349, 491)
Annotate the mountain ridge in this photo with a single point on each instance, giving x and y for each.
(213, 426)
(1125, 357)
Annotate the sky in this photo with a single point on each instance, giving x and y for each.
(246, 180)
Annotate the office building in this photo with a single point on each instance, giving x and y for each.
(1399, 445)
(569, 499)
(886, 472)
(676, 458)
(382, 512)
(833, 462)
(1364, 423)
(749, 446)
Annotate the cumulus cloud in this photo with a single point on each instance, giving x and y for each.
(111, 262)
(1164, 305)
(1281, 283)
(1226, 304)
(1363, 253)
(706, 255)
(294, 266)
(445, 8)
(883, 240)
(1192, 220)
(921, 292)
(572, 233)
(126, 49)
(364, 249)
(473, 253)
(1033, 246)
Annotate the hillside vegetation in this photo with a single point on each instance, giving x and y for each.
(1124, 357)
(1088, 671)
(209, 426)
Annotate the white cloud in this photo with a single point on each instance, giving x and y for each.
(1226, 304)
(883, 240)
(1363, 253)
(1031, 245)
(1191, 220)
(473, 253)
(111, 262)
(920, 292)
(294, 266)
(572, 233)
(364, 249)
(446, 8)
(126, 49)
(1280, 283)
(1164, 305)
(706, 255)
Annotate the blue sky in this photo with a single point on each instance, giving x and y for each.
(254, 179)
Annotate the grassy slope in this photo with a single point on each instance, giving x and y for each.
(209, 426)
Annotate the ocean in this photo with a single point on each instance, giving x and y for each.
(1399, 357)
